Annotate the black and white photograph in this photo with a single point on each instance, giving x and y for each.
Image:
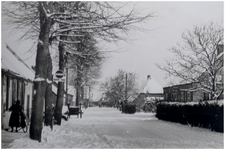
(112, 74)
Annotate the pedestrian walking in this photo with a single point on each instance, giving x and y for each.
(14, 120)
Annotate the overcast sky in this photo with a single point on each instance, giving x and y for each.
(145, 49)
(171, 19)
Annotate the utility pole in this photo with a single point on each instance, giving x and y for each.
(78, 94)
(67, 84)
(126, 88)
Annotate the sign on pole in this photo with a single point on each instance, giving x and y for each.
(59, 76)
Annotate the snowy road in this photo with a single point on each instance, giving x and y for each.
(108, 128)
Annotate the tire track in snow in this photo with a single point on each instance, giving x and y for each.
(100, 136)
(105, 140)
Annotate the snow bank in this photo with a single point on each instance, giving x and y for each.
(60, 137)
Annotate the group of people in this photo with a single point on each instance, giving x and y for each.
(17, 118)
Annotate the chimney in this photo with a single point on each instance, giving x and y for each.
(148, 77)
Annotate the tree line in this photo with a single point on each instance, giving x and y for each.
(74, 28)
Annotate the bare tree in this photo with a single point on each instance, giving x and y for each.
(199, 58)
(87, 63)
(41, 75)
(120, 87)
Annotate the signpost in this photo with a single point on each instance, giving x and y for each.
(59, 76)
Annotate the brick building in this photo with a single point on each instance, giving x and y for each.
(185, 93)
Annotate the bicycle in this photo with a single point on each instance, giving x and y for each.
(23, 123)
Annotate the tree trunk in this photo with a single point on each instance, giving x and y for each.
(37, 111)
(39, 94)
(214, 88)
(79, 80)
(78, 94)
(48, 105)
(60, 90)
(59, 103)
(48, 95)
(40, 78)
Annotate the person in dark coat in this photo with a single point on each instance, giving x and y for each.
(14, 120)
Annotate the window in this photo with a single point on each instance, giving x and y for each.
(172, 97)
(182, 96)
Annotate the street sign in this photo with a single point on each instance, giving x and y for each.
(59, 80)
(59, 74)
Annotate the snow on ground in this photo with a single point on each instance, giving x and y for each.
(108, 128)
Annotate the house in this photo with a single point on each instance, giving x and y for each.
(151, 86)
(185, 93)
(17, 81)
(151, 89)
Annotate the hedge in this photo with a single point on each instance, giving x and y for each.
(202, 114)
(128, 108)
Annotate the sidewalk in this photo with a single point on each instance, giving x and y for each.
(8, 137)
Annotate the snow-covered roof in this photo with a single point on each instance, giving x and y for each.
(12, 62)
(152, 86)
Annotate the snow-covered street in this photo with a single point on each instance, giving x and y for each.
(108, 128)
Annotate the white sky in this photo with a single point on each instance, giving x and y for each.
(172, 18)
(140, 54)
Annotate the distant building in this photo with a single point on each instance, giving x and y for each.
(151, 89)
(151, 86)
(185, 93)
(143, 98)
